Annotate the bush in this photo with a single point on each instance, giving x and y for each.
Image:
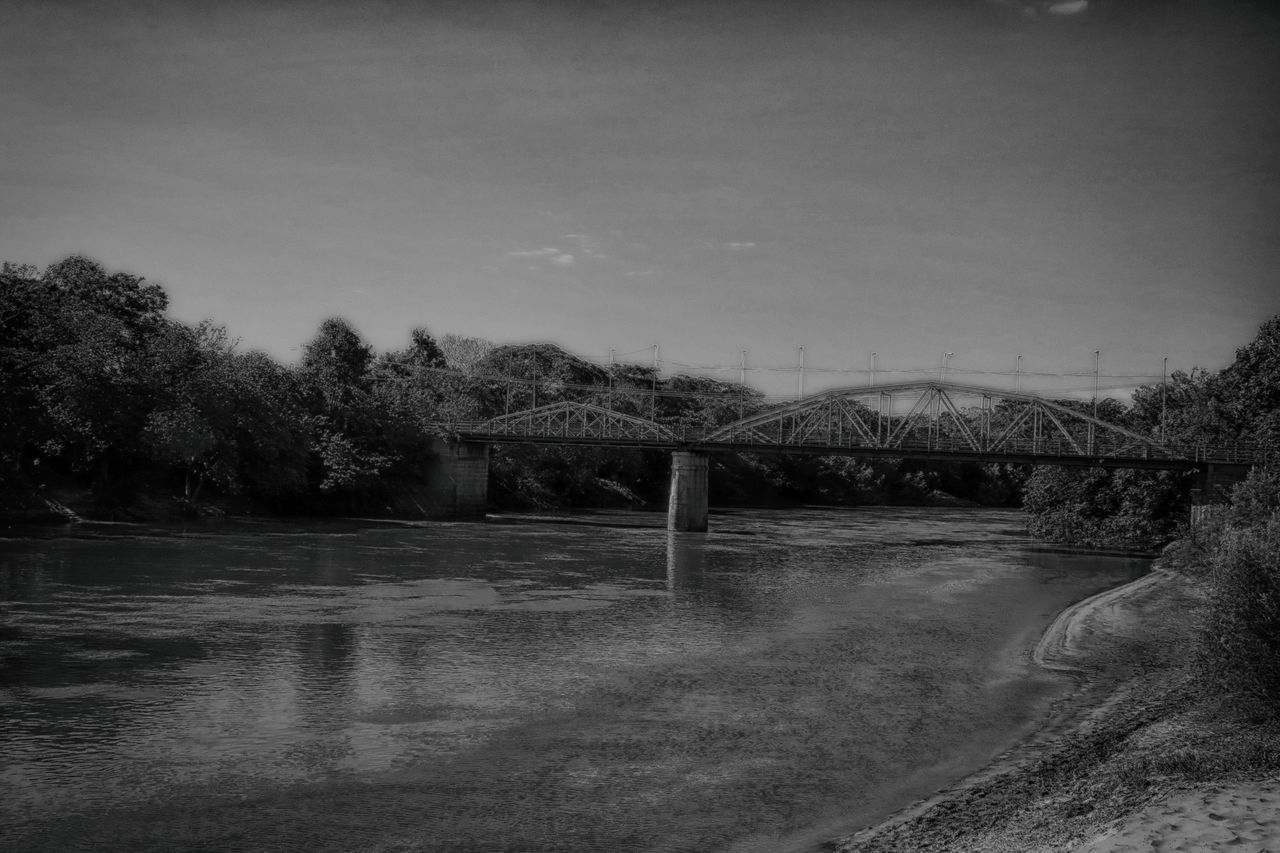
(1256, 499)
(1240, 643)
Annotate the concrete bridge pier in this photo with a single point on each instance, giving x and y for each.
(1212, 491)
(687, 506)
(458, 480)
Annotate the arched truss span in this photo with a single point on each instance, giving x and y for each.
(939, 417)
(575, 422)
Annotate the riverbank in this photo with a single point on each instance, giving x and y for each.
(1137, 758)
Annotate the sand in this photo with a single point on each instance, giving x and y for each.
(1241, 817)
(1104, 775)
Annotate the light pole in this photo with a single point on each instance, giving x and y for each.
(942, 372)
(800, 380)
(653, 388)
(1017, 371)
(871, 377)
(1164, 381)
(1097, 359)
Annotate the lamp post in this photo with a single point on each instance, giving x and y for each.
(942, 372)
(1164, 381)
(871, 377)
(800, 380)
(1097, 359)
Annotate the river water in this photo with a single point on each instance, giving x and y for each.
(519, 685)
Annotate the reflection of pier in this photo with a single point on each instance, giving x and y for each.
(685, 556)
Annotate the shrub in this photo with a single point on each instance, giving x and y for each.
(1240, 643)
(1257, 498)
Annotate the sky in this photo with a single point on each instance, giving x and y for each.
(909, 178)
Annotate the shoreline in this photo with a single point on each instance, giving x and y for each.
(1098, 776)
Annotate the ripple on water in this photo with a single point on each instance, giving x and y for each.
(455, 685)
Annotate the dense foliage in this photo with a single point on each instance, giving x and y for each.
(107, 397)
(1240, 640)
(1095, 507)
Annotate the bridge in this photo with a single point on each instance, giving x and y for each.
(931, 420)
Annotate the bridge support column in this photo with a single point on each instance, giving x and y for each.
(457, 480)
(687, 506)
(1212, 492)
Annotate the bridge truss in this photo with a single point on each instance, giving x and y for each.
(926, 419)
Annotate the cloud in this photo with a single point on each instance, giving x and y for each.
(586, 246)
(549, 253)
(737, 247)
(1069, 7)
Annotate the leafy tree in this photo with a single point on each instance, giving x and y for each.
(271, 429)
(463, 353)
(1250, 386)
(139, 306)
(335, 364)
(345, 426)
(1098, 507)
(1186, 410)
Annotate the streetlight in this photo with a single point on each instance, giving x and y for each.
(871, 378)
(1097, 359)
(1164, 381)
(800, 374)
(946, 356)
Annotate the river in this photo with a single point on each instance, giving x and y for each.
(522, 685)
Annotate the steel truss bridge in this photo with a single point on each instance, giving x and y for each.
(922, 419)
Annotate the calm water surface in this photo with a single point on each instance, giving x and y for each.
(791, 676)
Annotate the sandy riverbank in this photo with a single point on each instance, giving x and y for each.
(1134, 760)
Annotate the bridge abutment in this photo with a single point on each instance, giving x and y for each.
(687, 505)
(1212, 491)
(458, 480)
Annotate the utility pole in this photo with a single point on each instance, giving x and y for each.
(742, 369)
(1093, 429)
(1164, 381)
(653, 389)
(611, 364)
(1097, 360)
(800, 372)
(1017, 372)
(871, 377)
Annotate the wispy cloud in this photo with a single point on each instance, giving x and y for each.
(587, 247)
(737, 247)
(549, 253)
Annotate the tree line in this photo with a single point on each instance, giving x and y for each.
(111, 402)
(1240, 403)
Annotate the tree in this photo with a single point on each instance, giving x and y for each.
(336, 364)
(130, 299)
(346, 425)
(463, 353)
(1250, 386)
(1101, 507)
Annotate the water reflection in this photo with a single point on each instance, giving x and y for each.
(498, 686)
(685, 557)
